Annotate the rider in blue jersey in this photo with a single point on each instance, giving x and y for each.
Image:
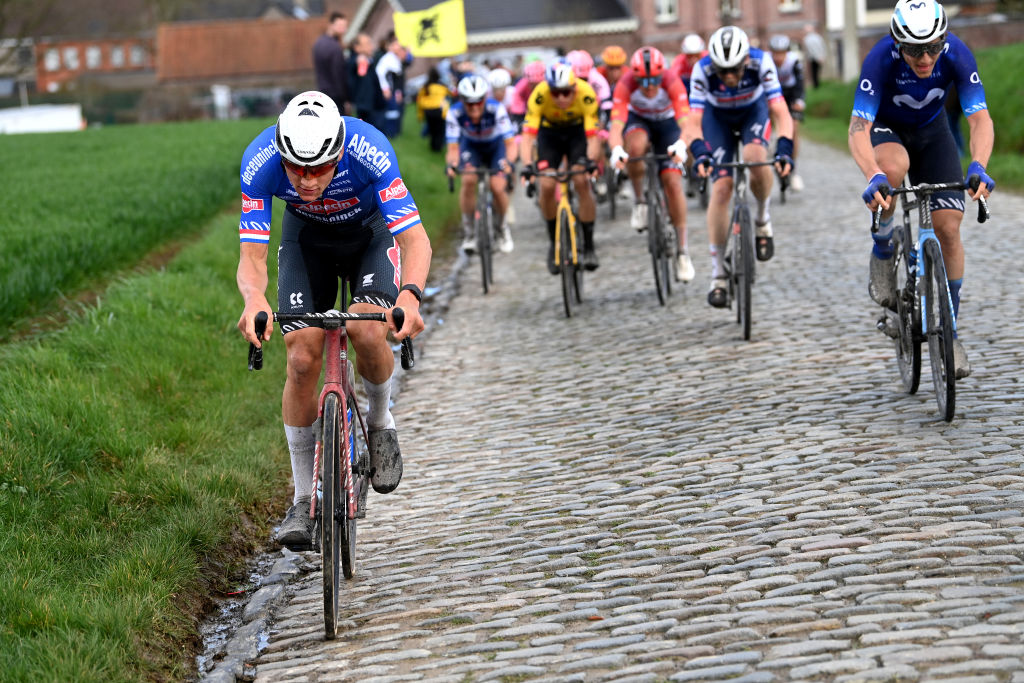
(479, 133)
(899, 126)
(348, 213)
(734, 90)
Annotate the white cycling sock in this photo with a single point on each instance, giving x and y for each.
(378, 416)
(717, 262)
(301, 445)
(762, 209)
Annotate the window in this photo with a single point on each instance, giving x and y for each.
(116, 56)
(137, 55)
(71, 58)
(790, 5)
(666, 10)
(51, 60)
(729, 10)
(93, 57)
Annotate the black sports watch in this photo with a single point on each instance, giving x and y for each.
(416, 291)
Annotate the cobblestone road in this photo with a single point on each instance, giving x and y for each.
(636, 494)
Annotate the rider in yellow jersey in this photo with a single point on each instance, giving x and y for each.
(561, 116)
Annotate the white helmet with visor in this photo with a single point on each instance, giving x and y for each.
(310, 130)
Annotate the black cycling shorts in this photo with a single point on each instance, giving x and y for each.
(561, 142)
(934, 157)
(313, 256)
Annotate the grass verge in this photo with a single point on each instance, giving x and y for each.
(139, 461)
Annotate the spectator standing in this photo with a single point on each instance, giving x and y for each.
(329, 61)
(430, 106)
(390, 73)
(364, 86)
(817, 53)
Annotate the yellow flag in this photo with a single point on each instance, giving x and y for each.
(436, 32)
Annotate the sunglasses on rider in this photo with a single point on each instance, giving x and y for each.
(563, 92)
(916, 51)
(734, 70)
(310, 171)
(473, 103)
(650, 81)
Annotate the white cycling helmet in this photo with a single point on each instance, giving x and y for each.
(472, 88)
(692, 44)
(499, 78)
(728, 46)
(559, 74)
(779, 43)
(918, 22)
(310, 130)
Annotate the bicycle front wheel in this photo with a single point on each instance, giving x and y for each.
(656, 244)
(609, 177)
(485, 219)
(330, 530)
(743, 252)
(565, 262)
(938, 313)
(908, 315)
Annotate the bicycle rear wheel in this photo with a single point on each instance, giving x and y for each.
(938, 308)
(656, 244)
(330, 531)
(484, 221)
(908, 315)
(565, 264)
(743, 252)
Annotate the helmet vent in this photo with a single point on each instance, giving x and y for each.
(308, 112)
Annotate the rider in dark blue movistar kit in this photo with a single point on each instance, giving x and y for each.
(348, 214)
(899, 126)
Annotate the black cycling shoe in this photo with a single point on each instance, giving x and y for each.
(552, 266)
(765, 247)
(590, 260)
(718, 296)
(385, 460)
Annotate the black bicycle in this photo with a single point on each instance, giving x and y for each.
(924, 307)
(483, 223)
(662, 241)
(739, 256)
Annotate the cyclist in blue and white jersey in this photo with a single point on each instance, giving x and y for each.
(791, 78)
(348, 213)
(480, 135)
(899, 126)
(734, 90)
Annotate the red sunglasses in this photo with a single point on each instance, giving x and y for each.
(309, 171)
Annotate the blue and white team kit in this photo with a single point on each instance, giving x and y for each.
(743, 109)
(349, 231)
(909, 110)
(481, 144)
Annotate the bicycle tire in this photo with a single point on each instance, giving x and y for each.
(330, 531)
(938, 312)
(745, 269)
(609, 177)
(655, 239)
(357, 443)
(483, 239)
(577, 269)
(908, 314)
(668, 244)
(565, 265)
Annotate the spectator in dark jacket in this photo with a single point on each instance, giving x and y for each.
(329, 61)
(364, 86)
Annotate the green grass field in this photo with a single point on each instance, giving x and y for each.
(830, 105)
(139, 460)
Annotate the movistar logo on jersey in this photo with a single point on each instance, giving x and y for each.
(368, 154)
(914, 103)
(258, 159)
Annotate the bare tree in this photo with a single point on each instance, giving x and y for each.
(20, 19)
